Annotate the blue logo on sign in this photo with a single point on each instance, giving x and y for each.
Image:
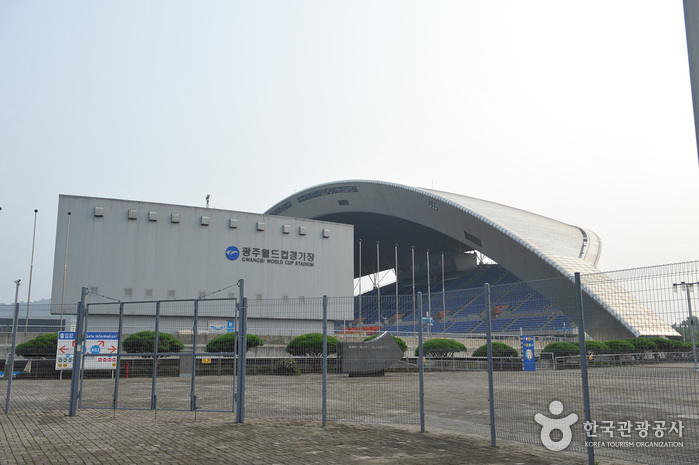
(232, 253)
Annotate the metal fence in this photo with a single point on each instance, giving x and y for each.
(620, 399)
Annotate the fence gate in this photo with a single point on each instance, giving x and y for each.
(154, 355)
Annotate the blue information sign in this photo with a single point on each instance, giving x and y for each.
(230, 328)
(102, 348)
(528, 358)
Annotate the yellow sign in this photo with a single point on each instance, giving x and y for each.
(206, 360)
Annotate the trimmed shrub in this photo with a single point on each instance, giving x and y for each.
(311, 344)
(666, 344)
(287, 367)
(144, 342)
(43, 346)
(619, 347)
(226, 343)
(500, 349)
(595, 347)
(562, 349)
(401, 343)
(685, 346)
(642, 344)
(440, 347)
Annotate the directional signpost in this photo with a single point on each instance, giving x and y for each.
(100, 350)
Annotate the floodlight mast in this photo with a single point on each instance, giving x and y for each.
(10, 362)
(31, 270)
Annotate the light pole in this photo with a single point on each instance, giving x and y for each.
(378, 285)
(31, 270)
(65, 270)
(429, 298)
(359, 318)
(688, 287)
(10, 363)
(396, 257)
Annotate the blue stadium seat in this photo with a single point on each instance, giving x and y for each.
(460, 309)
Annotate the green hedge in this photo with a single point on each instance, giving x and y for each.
(439, 347)
(500, 349)
(401, 343)
(311, 344)
(672, 345)
(596, 347)
(42, 346)
(226, 343)
(144, 342)
(562, 349)
(619, 347)
(642, 344)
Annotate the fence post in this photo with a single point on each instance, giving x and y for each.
(85, 356)
(236, 364)
(236, 329)
(153, 395)
(688, 289)
(118, 357)
(242, 349)
(325, 359)
(489, 342)
(77, 358)
(583, 363)
(10, 365)
(421, 371)
(195, 330)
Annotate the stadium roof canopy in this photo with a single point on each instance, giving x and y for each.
(531, 246)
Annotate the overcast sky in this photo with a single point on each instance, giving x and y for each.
(576, 110)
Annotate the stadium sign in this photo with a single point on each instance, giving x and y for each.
(270, 256)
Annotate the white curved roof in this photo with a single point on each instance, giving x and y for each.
(546, 235)
(531, 246)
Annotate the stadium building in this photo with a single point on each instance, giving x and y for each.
(133, 251)
(530, 246)
(317, 241)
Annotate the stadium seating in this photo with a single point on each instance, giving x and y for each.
(529, 323)
(558, 323)
(461, 308)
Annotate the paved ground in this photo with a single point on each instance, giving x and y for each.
(141, 437)
(38, 431)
